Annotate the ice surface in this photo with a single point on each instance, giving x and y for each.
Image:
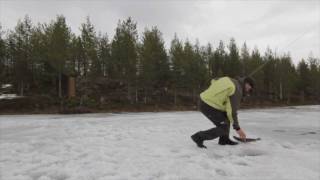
(158, 146)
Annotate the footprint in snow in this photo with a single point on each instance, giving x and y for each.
(221, 172)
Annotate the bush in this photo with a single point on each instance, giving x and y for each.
(27, 103)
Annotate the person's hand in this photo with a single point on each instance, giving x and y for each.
(241, 134)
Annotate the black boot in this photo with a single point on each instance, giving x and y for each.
(224, 140)
(198, 140)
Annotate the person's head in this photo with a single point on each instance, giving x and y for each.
(248, 84)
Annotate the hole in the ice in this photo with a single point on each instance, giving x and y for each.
(159, 174)
(242, 163)
(37, 175)
(221, 172)
(279, 130)
(287, 146)
(60, 176)
(111, 174)
(136, 174)
(306, 133)
(175, 150)
(205, 165)
(252, 152)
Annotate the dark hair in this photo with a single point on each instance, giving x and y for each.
(249, 80)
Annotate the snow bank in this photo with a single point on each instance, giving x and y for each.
(9, 96)
(158, 146)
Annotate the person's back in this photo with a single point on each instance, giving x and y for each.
(218, 92)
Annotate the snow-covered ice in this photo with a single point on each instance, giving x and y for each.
(158, 146)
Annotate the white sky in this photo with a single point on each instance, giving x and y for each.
(282, 25)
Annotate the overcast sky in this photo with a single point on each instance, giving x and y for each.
(282, 25)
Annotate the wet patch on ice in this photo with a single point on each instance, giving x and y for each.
(252, 152)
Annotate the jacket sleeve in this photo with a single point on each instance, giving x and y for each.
(232, 108)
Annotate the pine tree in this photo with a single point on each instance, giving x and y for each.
(245, 58)
(104, 56)
(269, 76)
(59, 48)
(20, 54)
(286, 78)
(303, 79)
(39, 57)
(232, 63)
(255, 62)
(154, 65)
(199, 70)
(73, 65)
(2, 58)
(218, 61)
(89, 42)
(187, 64)
(124, 55)
(79, 57)
(177, 70)
(318, 80)
(314, 76)
(194, 66)
(209, 59)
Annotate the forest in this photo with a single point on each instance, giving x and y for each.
(132, 72)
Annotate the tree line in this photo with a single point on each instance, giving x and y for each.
(131, 70)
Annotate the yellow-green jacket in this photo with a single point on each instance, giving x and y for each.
(225, 95)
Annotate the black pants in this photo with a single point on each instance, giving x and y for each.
(219, 119)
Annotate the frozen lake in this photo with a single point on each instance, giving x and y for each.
(158, 146)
